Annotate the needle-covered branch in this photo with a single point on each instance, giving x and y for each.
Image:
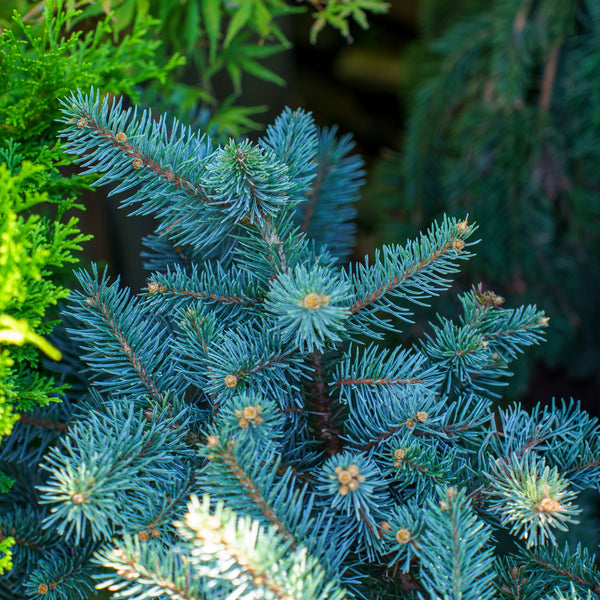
(248, 370)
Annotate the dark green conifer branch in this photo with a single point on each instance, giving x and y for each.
(502, 98)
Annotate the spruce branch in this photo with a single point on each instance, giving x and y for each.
(260, 561)
(577, 566)
(142, 153)
(333, 194)
(278, 497)
(293, 138)
(537, 573)
(141, 569)
(362, 373)
(248, 357)
(224, 457)
(59, 575)
(566, 436)
(114, 130)
(410, 274)
(255, 348)
(309, 307)
(454, 551)
(138, 348)
(352, 485)
(213, 284)
(530, 497)
(90, 480)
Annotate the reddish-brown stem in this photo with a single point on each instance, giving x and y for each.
(549, 78)
(207, 296)
(164, 172)
(141, 371)
(44, 423)
(320, 406)
(377, 381)
(588, 584)
(253, 492)
(398, 279)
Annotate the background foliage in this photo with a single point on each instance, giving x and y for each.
(502, 126)
(223, 42)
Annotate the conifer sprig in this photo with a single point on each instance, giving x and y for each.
(136, 348)
(456, 559)
(409, 275)
(229, 547)
(90, 482)
(141, 570)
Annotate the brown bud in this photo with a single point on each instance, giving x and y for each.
(314, 301)
(344, 477)
(230, 381)
(548, 505)
(353, 470)
(250, 412)
(403, 536)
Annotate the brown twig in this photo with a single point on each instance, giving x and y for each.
(549, 78)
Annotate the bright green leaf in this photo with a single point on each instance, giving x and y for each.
(260, 71)
(239, 19)
(211, 12)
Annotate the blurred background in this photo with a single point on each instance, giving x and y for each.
(489, 108)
